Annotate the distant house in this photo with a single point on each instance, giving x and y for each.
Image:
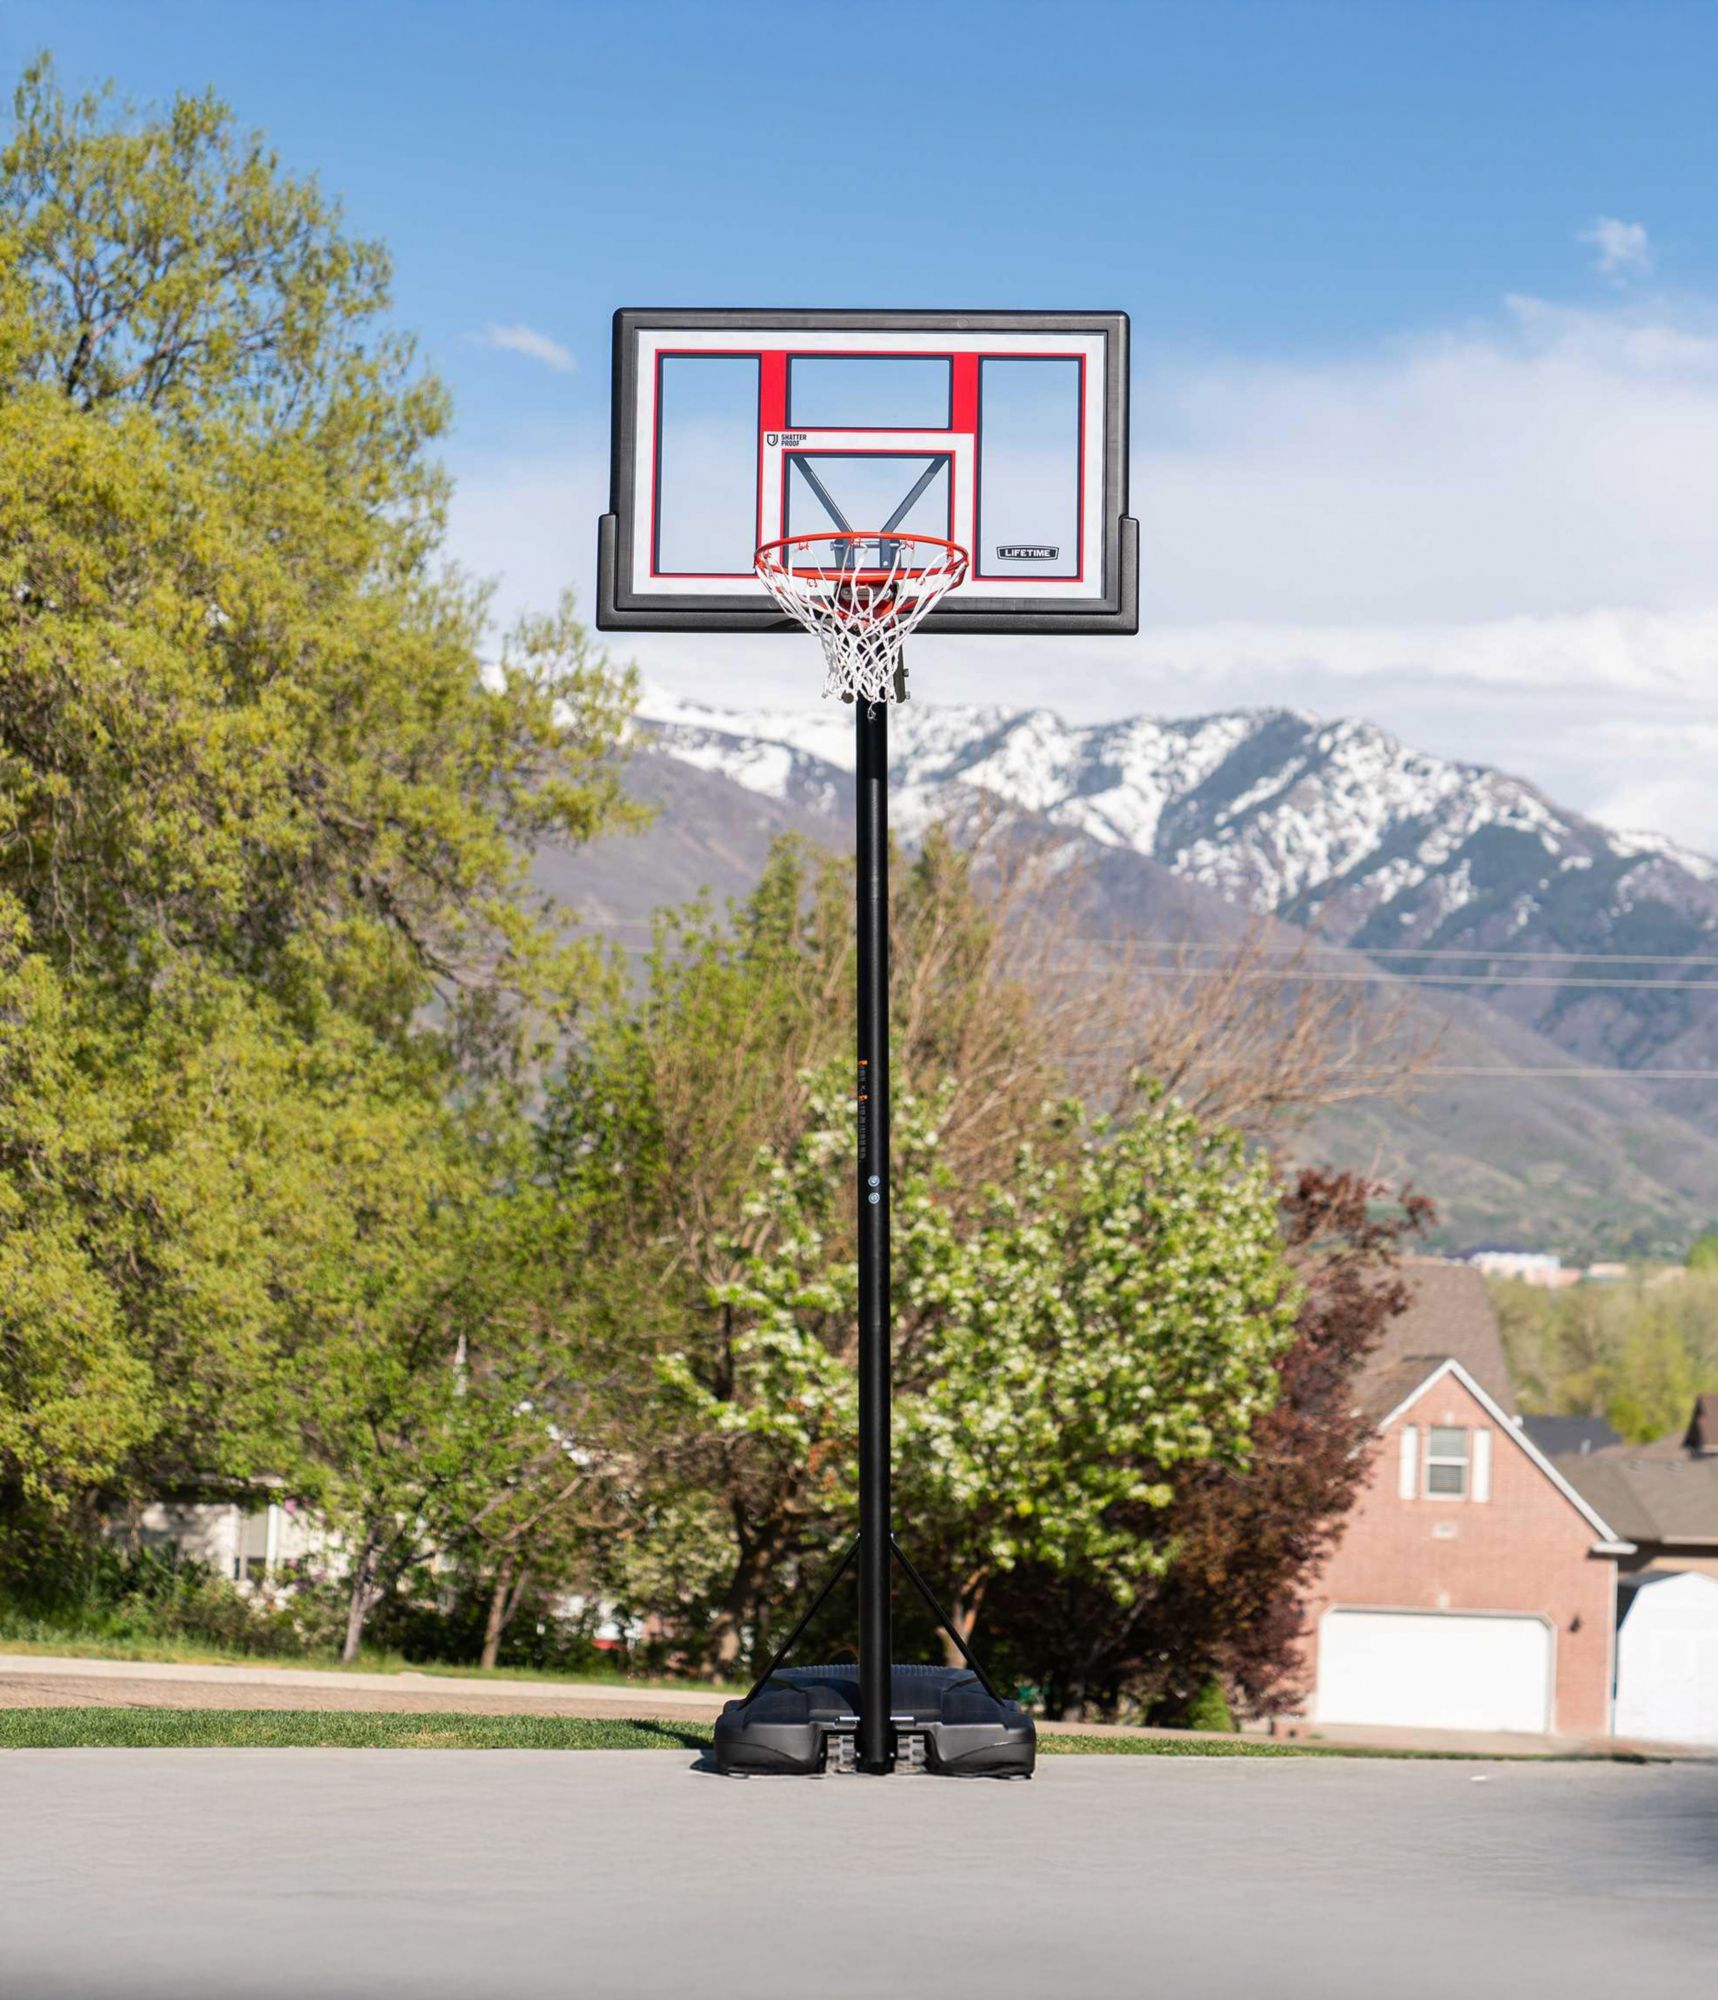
(1473, 1587)
(1663, 1496)
(252, 1538)
(1504, 1260)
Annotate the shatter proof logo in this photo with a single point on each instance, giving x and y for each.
(1027, 552)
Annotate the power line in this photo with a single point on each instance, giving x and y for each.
(1598, 1075)
(1443, 980)
(1406, 951)
(1392, 978)
(1612, 1075)
(1297, 951)
(1292, 977)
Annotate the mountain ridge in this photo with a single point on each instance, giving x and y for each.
(1591, 1170)
(1335, 826)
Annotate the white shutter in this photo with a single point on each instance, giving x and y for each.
(1408, 1483)
(1482, 1465)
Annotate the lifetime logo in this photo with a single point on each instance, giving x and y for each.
(1027, 552)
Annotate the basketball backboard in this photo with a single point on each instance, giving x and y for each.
(1003, 432)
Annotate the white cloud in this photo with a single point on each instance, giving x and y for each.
(1550, 461)
(1655, 805)
(1623, 247)
(1498, 540)
(531, 523)
(527, 340)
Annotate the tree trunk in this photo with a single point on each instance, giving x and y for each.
(738, 1610)
(504, 1601)
(963, 1612)
(497, 1617)
(362, 1600)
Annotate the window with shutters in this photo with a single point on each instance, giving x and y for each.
(1448, 1458)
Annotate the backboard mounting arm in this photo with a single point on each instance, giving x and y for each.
(817, 486)
(924, 479)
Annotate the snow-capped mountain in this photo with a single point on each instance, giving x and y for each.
(1335, 825)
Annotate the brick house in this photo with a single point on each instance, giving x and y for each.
(1473, 1586)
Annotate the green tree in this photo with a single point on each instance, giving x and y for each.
(1249, 1532)
(267, 946)
(172, 264)
(652, 1139)
(1112, 1318)
(1636, 1352)
(1703, 1252)
(243, 700)
(1060, 1348)
(1080, 1305)
(437, 1397)
(74, 1396)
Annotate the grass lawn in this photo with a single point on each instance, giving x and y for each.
(305, 1729)
(297, 1729)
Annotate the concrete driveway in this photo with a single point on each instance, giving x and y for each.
(277, 1875)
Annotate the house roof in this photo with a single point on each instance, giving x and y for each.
(1449, 1318)
(1556, 1435)
(1450, 1328)
(1665, 1491)
(1610, 1541)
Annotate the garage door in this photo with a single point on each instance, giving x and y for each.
(1434, 1670)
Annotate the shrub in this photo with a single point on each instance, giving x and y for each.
(1209, 1710)
(91, 1592)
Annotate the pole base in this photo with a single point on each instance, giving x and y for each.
(803, 1720)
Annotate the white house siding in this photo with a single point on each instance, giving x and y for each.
(1667, 1661)
(246, 1543)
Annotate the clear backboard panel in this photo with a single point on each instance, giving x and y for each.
(1003, 432)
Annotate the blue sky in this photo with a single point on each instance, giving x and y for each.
(1425, 301)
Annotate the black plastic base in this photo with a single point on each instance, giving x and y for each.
(803, 1719)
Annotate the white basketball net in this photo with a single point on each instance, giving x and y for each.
(860, 595)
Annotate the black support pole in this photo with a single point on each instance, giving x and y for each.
(875, 1750)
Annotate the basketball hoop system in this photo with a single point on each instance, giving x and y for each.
(1004, 433)
(859, 595)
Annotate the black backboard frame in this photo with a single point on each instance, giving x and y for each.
(618, 609)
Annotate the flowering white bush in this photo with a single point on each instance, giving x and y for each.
(1062, 1342)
